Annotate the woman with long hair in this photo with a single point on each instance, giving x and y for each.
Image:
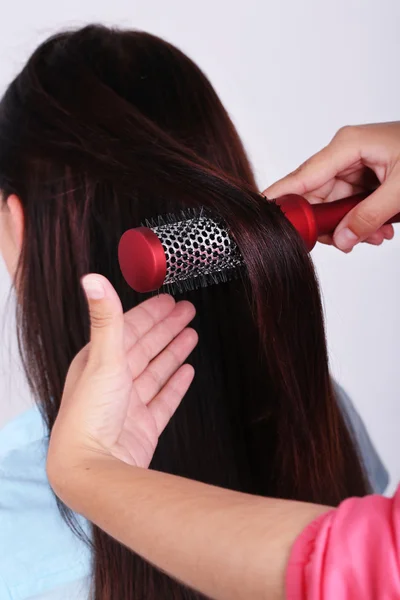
(104, 129)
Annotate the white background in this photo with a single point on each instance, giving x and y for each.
(290, 72)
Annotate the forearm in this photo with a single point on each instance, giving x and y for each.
(225, 544)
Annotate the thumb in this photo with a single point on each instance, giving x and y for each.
(368, 216)
(106, 320)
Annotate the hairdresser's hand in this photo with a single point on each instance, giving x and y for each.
(357, 159)
(124, 386)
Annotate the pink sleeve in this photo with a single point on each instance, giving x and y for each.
(351, 553)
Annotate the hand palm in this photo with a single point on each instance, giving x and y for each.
(139, 390)
(138, 435)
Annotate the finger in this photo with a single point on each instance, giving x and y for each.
(361, 176)
(326, 239)
(376, 239)
(338, 190)
(106, 320)
(316, 171)
(388, 231)
(167, 401)
(369, 215)
(162, 368)
(142, 318)
(158, 338)
(320, 194)
(353, 180)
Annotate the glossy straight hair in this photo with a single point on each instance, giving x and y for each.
(102, 129)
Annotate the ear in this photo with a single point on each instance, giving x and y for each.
(17, 219)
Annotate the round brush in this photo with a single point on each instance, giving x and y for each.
(195, 249)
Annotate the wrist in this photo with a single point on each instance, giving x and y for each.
(72, 467)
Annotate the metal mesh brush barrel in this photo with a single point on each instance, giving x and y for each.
(195, 249)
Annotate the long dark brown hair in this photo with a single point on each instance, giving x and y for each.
(100, 130)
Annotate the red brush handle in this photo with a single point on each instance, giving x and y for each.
(313, 220)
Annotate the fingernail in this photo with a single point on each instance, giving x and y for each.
(93, 287)
(345, 239)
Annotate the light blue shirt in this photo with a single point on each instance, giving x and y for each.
(40, 557)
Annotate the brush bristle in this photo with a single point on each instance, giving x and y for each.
(198, 248)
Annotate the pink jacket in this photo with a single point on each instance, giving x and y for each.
(350, 553)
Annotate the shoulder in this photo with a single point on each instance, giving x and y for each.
(38, 551)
